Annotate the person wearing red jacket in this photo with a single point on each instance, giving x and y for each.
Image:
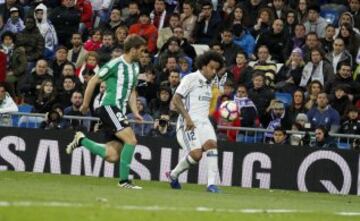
(86, 13)
(145, 29)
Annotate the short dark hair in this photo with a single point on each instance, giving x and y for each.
(342, 63)
(280, 129)
(208, 56)
(133, 41)
(8, 34)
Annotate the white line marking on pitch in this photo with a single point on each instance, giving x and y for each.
(162, 208)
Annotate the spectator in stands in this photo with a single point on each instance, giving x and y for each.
(107, 46)
(302, 11)
(141, 129)
(276, 116)
(86, 15)
(66, 19)
(297, 106)
(263, 22)
(74, 110)
(247, 108)
(275, 40)
(323, 140)
(184, 67)
(221, 78)
(16, 62)
(31, 39)
(46, 97)
(89, 67)
(67, 71)
(30, 85)
(172, 82)
(351, 124)
(266, 65)
(338, 54)
(290, 24)
(14, 24)
(65, 92)
(95, 40)
(120, 35)
(101, 10)
(260, 94)
(145, 61)
(161, 103)
(279, 136)
(133, 16)
(253, 10)
(7, 104)
(170, 65)
(290, 73)
(339, 100)
(280, 9)
(227, 8)
(115, 21)
(147, 30)
(207, 25)
(59, 61)
(317, 69)
(188, 19)
(171, 48)
(328, 41)
(159, 16)
(351, 39)
(313, 90)
(186, 47)
(76, 54)
(53, 119)
(241, 71)
(162, 127)
(315, 23)
(346, 17)
(147, 86)
(344, 77)
(237, 17)
(10, 4)
(165, 33)
(311, 42)
(244, 40)
(46, 29)
(230, 48)
(297, 41)
(323, 114)
(354, 6)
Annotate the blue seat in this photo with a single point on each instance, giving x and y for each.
(344, 146)
(331, 12)
(242, 138)
(23, 108)
(286, 98)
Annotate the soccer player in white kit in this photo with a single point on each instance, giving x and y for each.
(195, 132)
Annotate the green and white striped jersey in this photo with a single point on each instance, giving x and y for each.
(120, 78)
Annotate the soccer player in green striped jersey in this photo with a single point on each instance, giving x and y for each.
(120, 76)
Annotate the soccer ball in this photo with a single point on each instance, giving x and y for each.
(229, 110)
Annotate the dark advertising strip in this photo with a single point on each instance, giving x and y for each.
(246, 165)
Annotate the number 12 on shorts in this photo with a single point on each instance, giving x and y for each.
(190, 135)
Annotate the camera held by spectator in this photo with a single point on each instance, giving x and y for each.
(53, 119)
(162, 127)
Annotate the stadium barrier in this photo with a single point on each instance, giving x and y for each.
(245, 134)
(246, 165)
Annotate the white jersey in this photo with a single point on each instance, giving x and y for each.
(196, 93)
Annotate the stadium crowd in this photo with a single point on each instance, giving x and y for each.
(287, 67)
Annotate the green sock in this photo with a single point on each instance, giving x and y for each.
(125, 161)
(93, 147)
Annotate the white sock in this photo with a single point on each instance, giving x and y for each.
(213, 169)
(183, 165)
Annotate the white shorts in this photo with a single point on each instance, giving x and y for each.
(190, 140)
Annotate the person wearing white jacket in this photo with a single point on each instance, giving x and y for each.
(101, 8)
(46, 29)
(7, 104)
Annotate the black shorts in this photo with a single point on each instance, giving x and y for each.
(113, 120)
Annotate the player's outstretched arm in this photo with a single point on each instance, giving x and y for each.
(88, 93)
(179, 106)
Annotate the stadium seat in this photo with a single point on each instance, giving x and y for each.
(258, 138)
(344, 146)
(200, 48)
(286, 98)
(23, 108)
(332, 12)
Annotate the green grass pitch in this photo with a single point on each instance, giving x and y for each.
(30, 196)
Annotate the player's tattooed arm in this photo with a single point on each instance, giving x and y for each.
(179, 106)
